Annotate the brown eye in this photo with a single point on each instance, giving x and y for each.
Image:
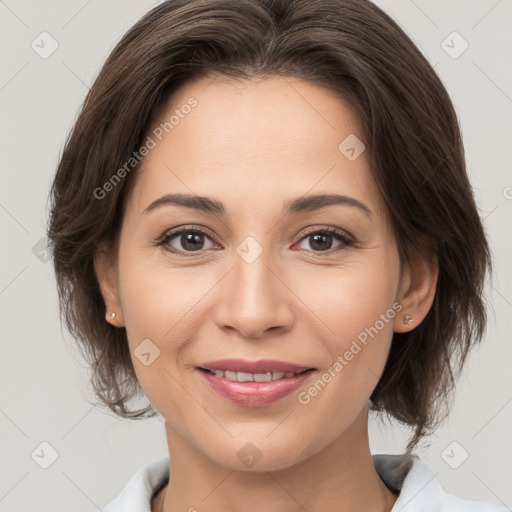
(184, 240)
(322, 240)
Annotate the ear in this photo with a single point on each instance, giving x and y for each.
(417, 290)
(106, 273)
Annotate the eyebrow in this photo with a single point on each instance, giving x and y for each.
(299, 205)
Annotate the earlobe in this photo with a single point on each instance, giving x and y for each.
(417, 292)
(105, 270)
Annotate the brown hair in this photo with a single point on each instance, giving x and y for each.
(413, 140)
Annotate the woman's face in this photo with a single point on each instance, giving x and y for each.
(252, 279)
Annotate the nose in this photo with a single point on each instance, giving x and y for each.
(255, 298)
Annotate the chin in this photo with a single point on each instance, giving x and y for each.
(260, 455)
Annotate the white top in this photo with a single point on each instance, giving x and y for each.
(407, 474)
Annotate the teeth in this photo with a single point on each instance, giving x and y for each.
(244, 377)
(262, 377)
(252, 377)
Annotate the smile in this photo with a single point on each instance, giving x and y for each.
(253, 384)
(252, 377)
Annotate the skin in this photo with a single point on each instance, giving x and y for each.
(254, 145)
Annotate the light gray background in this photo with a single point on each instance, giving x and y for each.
(44, 382)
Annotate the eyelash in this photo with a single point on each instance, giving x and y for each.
(340, 235)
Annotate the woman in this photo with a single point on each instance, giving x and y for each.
(261, 219)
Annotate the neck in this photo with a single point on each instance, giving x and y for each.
(340, 477)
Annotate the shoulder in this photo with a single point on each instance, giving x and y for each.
(136, 495)
(420, 491)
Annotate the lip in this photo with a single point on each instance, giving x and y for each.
(261, 366)
(253, 394)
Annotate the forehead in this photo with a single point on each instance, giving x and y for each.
(275, 111)
(252, 140)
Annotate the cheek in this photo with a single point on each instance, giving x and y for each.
(156, 299)
(152, 310)
(160, 304)
(353, 299)
(357, 307)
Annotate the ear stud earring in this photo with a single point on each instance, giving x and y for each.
(407, 319)
(112, 315)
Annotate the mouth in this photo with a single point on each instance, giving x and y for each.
(253, 384)
(253, 377)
